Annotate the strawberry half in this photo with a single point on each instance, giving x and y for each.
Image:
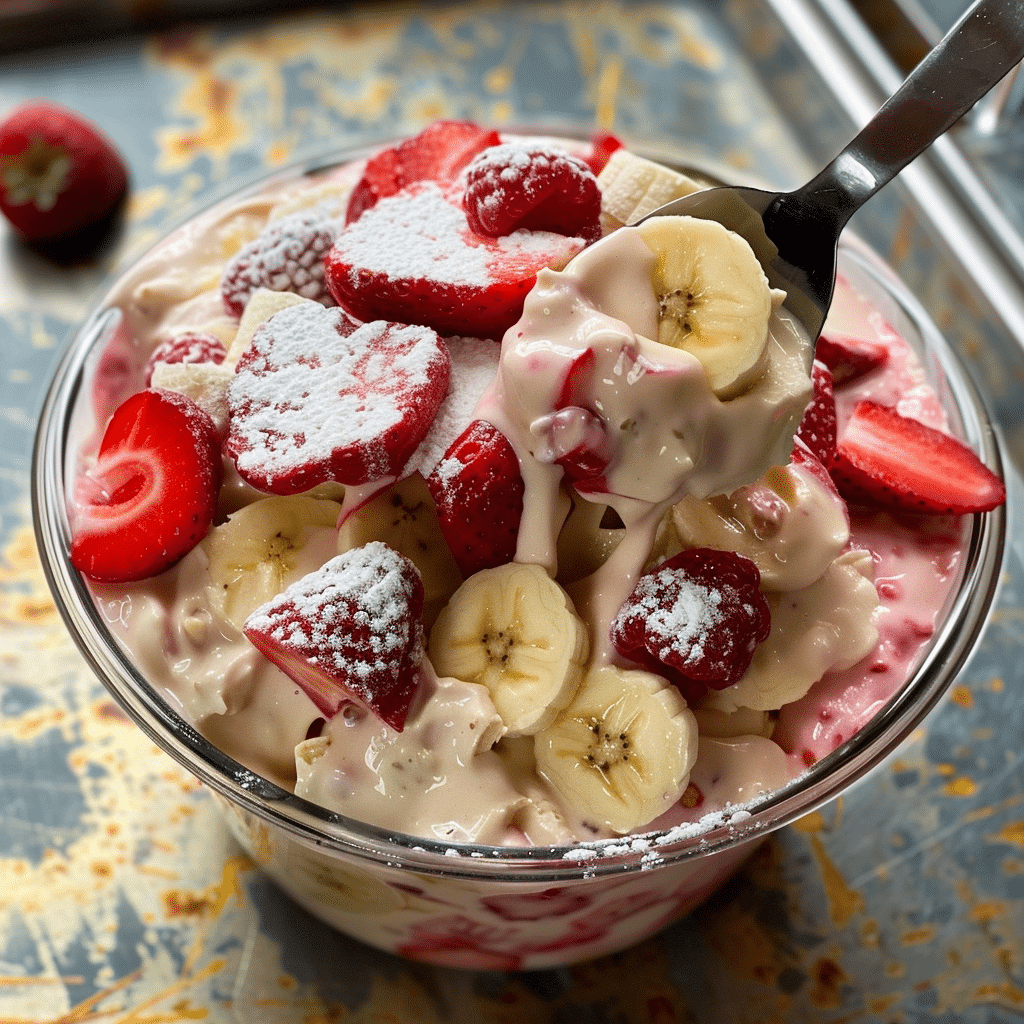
(438, 153)
(696, 619)
(478, 491)
(351, 630)
(152, 493)
(412, 257)
(522, 185)
(318, 397)
(58, 174)
(888, 459)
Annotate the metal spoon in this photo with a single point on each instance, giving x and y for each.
(795, 234)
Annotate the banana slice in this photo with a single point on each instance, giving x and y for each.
(513, 629)
(265, 546)
(828, 625)
(788, 523)
(404, 517)
(713, 297)
(620, 754)
(262, 305)
(632, 187)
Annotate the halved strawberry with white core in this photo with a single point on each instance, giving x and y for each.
(152, 493)
(888, 459)
(351, 630)
(533, 186)
(478, 491)
(849, 356)
(317, 398)
(438, 153)
(413, 258)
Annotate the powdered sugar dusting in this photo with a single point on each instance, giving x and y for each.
(420, 234)
(356, 619)
(684, 626)
(474, 364)
(287, 256)
(316, 398)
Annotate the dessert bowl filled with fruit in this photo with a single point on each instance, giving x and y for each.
(507, 570)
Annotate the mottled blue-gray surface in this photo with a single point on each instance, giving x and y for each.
(121, 895)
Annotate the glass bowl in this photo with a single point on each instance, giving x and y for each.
(481, 906)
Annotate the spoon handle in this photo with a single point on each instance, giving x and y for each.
(975, 54)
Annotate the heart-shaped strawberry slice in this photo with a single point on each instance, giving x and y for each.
(351, 630)
(151, 495)
(318, 397)
(413, 257)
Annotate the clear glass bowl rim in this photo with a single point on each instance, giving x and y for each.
(316, 827)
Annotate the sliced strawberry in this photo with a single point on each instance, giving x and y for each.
(888, 459)
(602, 145)
(413, 258)
(152, 493)
(190, 347)
(523, 185)
(351, 630)
(478, 491)
(317, 398)
(58, 174)
(286, 256)
(576, 439)
(818, 428)
(696, 619)
(849, 356)
(438, 153)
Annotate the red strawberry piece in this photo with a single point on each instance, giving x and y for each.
(438, 153)
(152, 493)
(577, 440)
(849, 356)
(413, 258)
(317, 398)
(350, 630)
(58, 174)
(602, 145)
(888, 459)
(818, 427)
(521, 185)
(286, 256)
(696, 620)
(190, 347)
(478, 491)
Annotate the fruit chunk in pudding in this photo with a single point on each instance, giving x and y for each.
(525, 525)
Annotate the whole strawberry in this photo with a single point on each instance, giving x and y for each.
(58, 174)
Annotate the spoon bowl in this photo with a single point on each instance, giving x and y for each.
(795, 234)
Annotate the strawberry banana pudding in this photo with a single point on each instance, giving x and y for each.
(433, 491)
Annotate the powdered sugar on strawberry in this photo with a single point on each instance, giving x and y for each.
(318, 398)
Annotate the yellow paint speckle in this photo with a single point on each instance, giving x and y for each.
(962, 695)
(961, 786)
